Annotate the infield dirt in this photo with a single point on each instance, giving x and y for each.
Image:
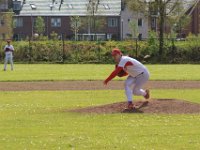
(92, 85)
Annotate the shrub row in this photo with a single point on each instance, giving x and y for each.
(99, 52)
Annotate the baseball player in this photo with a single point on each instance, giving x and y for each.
(137, 73)
(8, 49)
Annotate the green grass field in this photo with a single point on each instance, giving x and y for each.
(52, 72)
(37, 120)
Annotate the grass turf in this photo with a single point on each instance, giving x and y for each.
(52, 72)
(36, 120)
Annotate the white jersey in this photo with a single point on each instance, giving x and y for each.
(8, 52)
(131, 66)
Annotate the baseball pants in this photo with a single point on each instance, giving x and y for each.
(10, 59)
(133, 85)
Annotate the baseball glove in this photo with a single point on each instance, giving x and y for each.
(121, 73)
(7, 49)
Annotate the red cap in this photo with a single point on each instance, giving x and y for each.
(116, 51)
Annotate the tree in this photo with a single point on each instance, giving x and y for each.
(92, 26)
(6, 19)
(75, 25)
(6, 22)
(135, 33)
(134, 28)
(39, 25)
(92, 8)
(178, 19)
(162, 8)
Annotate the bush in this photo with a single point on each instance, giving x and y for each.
(53, 51)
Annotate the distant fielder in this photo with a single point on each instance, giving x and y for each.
(8, 49)
(137, 73)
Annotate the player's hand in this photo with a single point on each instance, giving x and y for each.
(105, 82)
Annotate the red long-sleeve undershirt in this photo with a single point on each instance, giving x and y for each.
(113, 74)
(116, 71)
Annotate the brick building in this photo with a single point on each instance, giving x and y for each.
(57, 13)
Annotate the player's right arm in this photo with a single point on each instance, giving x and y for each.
(5, 48)
(12, 48)
(113, 74)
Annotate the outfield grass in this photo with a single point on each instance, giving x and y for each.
(36, 120)
(52, 72)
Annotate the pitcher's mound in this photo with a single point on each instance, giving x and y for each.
(156, 106)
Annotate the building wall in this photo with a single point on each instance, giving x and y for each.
(4, 5)
(194, 25)
(126, 17)
(27, 30)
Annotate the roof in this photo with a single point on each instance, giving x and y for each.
(192, 5)
(187, 7)
(68, 8)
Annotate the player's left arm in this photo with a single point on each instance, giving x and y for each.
(12, 48)
(122, 74)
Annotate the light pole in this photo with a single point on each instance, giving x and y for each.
(152, 17)
(32, 25)
(149, 19)
(122, 29)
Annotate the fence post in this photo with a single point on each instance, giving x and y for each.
(173, 48)
(76, 52)
(99, 51)
(63, 48)
(136, 52)
(30, 49)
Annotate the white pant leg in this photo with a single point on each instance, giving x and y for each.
(10, 59)
(5, 62)
(11, 62)
(139, 82)
(129, 83)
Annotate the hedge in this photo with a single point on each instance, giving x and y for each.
(54, 51)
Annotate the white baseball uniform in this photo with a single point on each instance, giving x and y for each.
(138, 76)
(8, 49)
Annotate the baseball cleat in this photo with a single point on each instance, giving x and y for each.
(130, 106)
(147, 96)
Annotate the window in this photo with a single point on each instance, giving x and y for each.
(16, 5)
(18, 22)
(109, 36)
(33, 6)
(112, 22)
(140, 22)
(56, 22)
(3, 6)
(140, 36)
(153, 22)
(33, 21)
(2, 22)
(106, 6)
(70, 6)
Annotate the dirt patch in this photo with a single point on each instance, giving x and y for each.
(92, 85)
(154, 106)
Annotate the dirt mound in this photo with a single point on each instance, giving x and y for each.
(155, 106)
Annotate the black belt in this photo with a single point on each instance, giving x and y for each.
(139, 74)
